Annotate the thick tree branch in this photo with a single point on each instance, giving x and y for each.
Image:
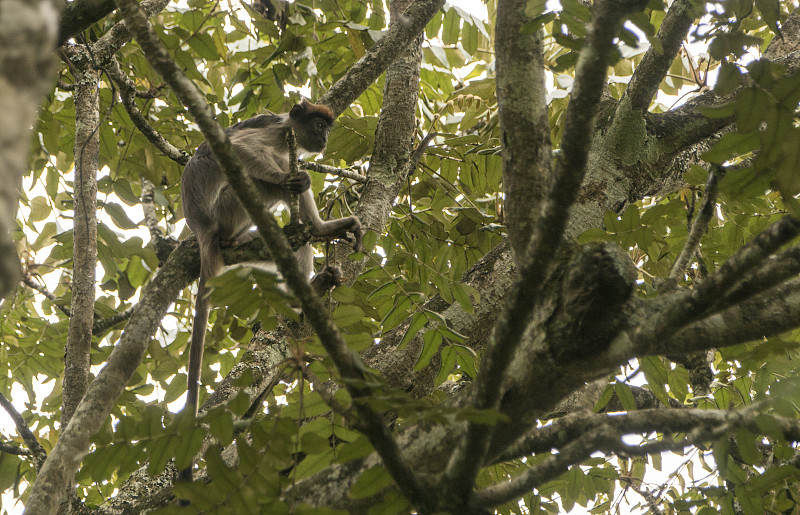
(28, 31)
(772, 312)
(773, 271)
(400, 34)
(77, 358)
(79, 15)
(58, 470)
(686, 125)
(656, 62)
(346, 361)
(524, 121)
(110, 43)
(696, 303)
(578, 128)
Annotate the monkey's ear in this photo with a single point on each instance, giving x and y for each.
(298, 110)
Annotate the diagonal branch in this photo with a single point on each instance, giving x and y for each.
(372, 64)
(699, 225)
(346, 361)
(656, 61)
(39, 454)
(695, 304)
(773, 271)
(127, 91)
(571, 166)
(27, 279)
(774, 311)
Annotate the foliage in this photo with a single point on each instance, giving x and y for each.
(447, 217)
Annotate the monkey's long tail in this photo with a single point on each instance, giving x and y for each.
(210, 264)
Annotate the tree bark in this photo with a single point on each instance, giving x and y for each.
(84, 264)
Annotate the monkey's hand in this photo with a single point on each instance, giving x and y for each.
(326, 279)
(298, 184)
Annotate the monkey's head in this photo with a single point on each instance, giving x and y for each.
(311, 124)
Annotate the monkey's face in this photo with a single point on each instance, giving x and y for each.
(314, 136)
(311, 124)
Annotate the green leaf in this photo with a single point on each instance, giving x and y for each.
(119, 216)
(770, 12)
(451, 29)
(40, 209)
(432, 340)
(625, 396)
(204, 45)
(751, 103)
(418, 321)
(745, 442)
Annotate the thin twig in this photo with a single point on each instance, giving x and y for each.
(163, 246)
(27, 279)
(412, 163)
(699, 225)
(13, 449)
(24, 431)
(331, 170)
(127, 91)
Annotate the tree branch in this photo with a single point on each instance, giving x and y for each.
(101, 325)
(77, 357)
(694, 304)
(372, 64)
(522, 111)
(39, 454)
(775, 311)
(773, 271)
(163, 246)
(655, 64)
(110, 43)
(571, 166)
(30, 283)
(699, 225)
(80, 15)
(603, 433)
(56, 474)
(338, 172)
(127, 91)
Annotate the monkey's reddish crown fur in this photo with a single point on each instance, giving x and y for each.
(306, 110)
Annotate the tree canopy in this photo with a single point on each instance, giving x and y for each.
(579, 283)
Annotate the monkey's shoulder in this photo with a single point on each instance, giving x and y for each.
(246, 130)
(262, 121)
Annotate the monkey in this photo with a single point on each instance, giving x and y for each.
(218, 219)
